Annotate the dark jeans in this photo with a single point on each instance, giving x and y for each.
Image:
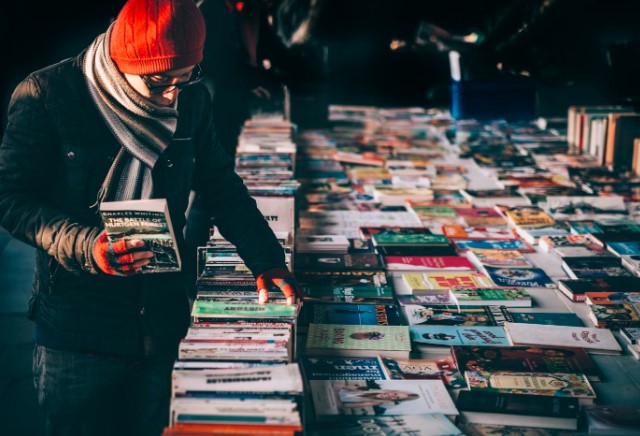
(84, 394)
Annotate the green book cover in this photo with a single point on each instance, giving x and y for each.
(349, 291)
(223, 309)
(411, 239)
(342, 337)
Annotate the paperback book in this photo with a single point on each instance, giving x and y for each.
(147, 220)
(594, 267)
(436, 423)
(436, 280)
(614, 316)
(335, 399)
(576, 290)
(416, 314)
(482, 336)
(341, 368)
(357, 340)
(349, 313)
(520, 277)
(442, 368)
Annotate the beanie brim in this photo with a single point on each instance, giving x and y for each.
(142, 67)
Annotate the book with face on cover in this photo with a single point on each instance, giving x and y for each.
(594, 340)
(341, 368)
(433, 368)
(148, 220)
(337, 399)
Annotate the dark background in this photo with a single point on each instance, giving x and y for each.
(572, 51)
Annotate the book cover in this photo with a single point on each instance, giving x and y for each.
(630, 334)
(349, 313)
(595, 340)
(483, 233)
(549, 241)
(345, 278)
(510, 297)
(614, 316)
(423, 314)
(520, 277)
(576, 290)
(338, 261)
(333, 399)
(624, 248)
(409, 239)
(147, 220)
(526, 359)
(608, 297)
(511, 430)
(459, 335)
(442, 368)
(594, 267)
(549, 318)
(480, 216)
(499, 258)
(527, 216)
(522, 410)
(347, 293)
(572, 385)
(250, 309)
(493, 244)
(342, 368)
(342, 339)
(445, 280)
(421, 263)
(436, 423)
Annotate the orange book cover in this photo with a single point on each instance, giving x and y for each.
(230, 429)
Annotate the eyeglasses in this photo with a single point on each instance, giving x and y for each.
(156, 87)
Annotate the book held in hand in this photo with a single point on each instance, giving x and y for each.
(148, 220)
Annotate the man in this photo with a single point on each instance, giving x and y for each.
(126, 119)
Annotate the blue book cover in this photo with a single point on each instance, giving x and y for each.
(492, 244)
(342, 368)
(630, 248)
(520, 277)
(352, 314)
(459, 335)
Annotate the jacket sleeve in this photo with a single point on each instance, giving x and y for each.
(222, 193)
(27, 155)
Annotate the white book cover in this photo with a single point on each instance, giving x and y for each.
(338, 398)
(594, 340)
(276, 378)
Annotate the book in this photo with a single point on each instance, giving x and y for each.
(480, 216)
(493, 244)
(511, 430)
(363, 294)
(527, 217)
(521, 410)
(571, 385)
(632, 263)
(442, 368)
(608, 297)
(436, 280)
(533, 235)
(520, 277)
(595, 340)
(349, 313)
(550, 241)
(526, 359)
(484, 336)
(614, 316)
(357, 340)
(215, 309)
(509, 297)
(335, 399)
(432, 424)
(499, 258)
(594, 267)
(416, 314)
(337, 261)
(147, 220)
(624, 248)
(549, 318)
(399, 264)
(341, 368)
(576, 290)
(613, 419)
(483, 233)
(630, 334)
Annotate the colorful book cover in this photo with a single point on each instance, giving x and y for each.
(342, 368)
(614, 316)
(223, 309)
(442, 368)
(421, 314)
(583, 227)
(526, 359)
(445, 280)
(572, 385)
(459, 335)
(493, 244)
(420, 263)
(630, 248)
(334, 399)
(480, 216)
(608, 297)
(350, 313)
(520, 277)
(549, 241)
(345, 338)
(403, 239)
(348, 293)
(528, 216)
(514, 296)
(461, 232)
(342, 278)
(499, 258)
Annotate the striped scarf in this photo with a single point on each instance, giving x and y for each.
(143, 129)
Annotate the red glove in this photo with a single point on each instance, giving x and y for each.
(283, 279)
(120, 258)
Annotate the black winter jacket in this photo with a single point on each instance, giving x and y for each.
(54, 156)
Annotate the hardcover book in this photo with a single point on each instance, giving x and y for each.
(526, 359)
(576, 290)
(595, 340)
(335, 399)
(357, 340)
(572, 385)
(342, 368)
(522, 410)
(147, 220)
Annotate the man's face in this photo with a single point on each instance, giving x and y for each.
(163, 88)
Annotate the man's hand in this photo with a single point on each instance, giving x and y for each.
(283, 279)
(120, 258)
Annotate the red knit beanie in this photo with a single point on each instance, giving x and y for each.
(153, 36)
